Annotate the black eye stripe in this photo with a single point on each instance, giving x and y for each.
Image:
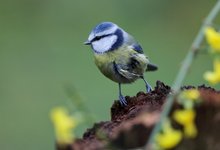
(97, 38)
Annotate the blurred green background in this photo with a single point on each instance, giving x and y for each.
(41, 51)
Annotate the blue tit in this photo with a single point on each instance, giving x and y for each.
(118, 56)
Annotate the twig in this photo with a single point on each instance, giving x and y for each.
(183, 71)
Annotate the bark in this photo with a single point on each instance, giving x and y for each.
(130, 126)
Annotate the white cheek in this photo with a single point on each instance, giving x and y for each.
(104, 44)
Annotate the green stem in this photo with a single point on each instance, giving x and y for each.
(183, 72)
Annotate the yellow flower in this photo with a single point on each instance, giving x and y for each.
(186, 118)
(190, 130)
(214, 77)
(213, 38)
(169, 138)
(191, 94)
(64, 124)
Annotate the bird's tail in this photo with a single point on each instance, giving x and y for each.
(151, 67)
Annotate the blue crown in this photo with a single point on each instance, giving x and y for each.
(103, 26)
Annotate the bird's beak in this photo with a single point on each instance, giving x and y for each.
(87, 42)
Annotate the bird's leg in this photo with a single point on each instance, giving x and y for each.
(148, 87)
(122, 99)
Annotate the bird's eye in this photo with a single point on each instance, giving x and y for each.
(97, 38)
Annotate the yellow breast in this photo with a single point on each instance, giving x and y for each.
(105, 63)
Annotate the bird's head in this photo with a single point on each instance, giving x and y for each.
(106, 36)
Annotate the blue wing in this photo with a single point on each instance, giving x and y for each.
(137, 48)
(129, 40)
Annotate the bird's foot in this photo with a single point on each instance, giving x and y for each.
(148, 88)
(122, 100)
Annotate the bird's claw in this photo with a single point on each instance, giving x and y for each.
(148, 88)
(122, 100)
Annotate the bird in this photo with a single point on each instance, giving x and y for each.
(119, 56)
